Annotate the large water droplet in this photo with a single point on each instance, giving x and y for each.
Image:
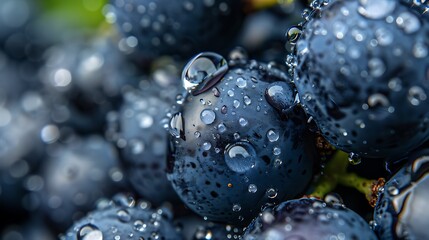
(240, 156)
(280, 96)
(376, 9)
(241, 82)
(177, 126)
(207, 116)
(293, 34)
(203, 72)
(89, 232)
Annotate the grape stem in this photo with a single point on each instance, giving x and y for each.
(335, 174)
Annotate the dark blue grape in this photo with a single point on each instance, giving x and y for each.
(183, 27)
(75, 176)
(401, 211)
(306, 219)
(361, 73)
(236, 146)
(124, 218)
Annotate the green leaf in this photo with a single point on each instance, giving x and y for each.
(75, 13)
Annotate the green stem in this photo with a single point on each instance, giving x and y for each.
(335, 173)
(361, 184)
(324, 186)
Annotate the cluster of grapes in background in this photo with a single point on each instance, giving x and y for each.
(214, 119)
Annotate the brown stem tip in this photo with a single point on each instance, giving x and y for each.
(375, 188)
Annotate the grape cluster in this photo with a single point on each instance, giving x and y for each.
(214, 119)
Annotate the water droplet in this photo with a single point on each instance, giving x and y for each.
(378, 99)
(293, 34)
(306, 14)
(197, 134)
(124, 200)
(224, 109)
(237, 136)
(240, 156)
(395, 84)
(333, 198)
(180, 99)
(89, 232)
(272, 135)
(271, 193)
(62, 78)
(409, 22)
(354, 159)
(236, 103)
(123, 216)
(136, 146)
(301, 49)
(236, 208)
(415, 95)
(280, 96)
(376, 9)
(339, 29)
(252, 188)
(243, 122)
(384, 36)
(207, 146)
(376, 67)
(247, 100)
(241, 82)
(277, 151)
(203, 72)
(221, 128)
(177, 126)
(230, 93)
(393, 190)
(216, 92)
(420, 50)
(207, 116)
(49, 133)
(278, 162)
(372, 224)
(267, 217)
(238, 53)
(354, 53)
